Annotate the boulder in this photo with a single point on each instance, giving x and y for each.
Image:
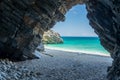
(52, 37)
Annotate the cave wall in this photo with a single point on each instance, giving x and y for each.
(23, 22)
(104, 17)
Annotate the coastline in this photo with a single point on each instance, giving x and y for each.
(65, 65)
(78, 51)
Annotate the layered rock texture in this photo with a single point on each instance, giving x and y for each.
(52, 37)
(104, 17)
(22, 23)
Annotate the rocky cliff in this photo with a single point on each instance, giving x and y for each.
(22, 25)
(23, 22)
(104, 17)
(52, 37)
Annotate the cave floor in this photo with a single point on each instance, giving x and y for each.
(61, 65)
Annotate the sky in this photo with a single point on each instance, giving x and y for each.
(75, 24)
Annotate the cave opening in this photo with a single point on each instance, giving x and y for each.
(79, 37)
(72, 30)
(76, 33)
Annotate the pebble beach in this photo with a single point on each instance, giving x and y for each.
(57, 65)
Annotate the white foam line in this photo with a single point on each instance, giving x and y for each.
(79, 51)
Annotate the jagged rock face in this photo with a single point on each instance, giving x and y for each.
(23, 22)
(52, 37)
(70, 3)
(101, 16)
(22, 25)
(104, 17)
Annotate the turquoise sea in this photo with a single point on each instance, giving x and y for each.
(80, 44)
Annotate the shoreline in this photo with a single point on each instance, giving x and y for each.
(65, 65)
(78, 51)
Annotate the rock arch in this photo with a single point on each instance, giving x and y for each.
(23, 22)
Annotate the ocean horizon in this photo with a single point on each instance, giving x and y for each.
(79, 44)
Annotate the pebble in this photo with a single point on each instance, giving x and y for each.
(8, 71)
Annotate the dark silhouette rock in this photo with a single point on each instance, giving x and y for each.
(104, 17)
(22, 25)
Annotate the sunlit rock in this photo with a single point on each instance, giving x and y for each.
(52, 37)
